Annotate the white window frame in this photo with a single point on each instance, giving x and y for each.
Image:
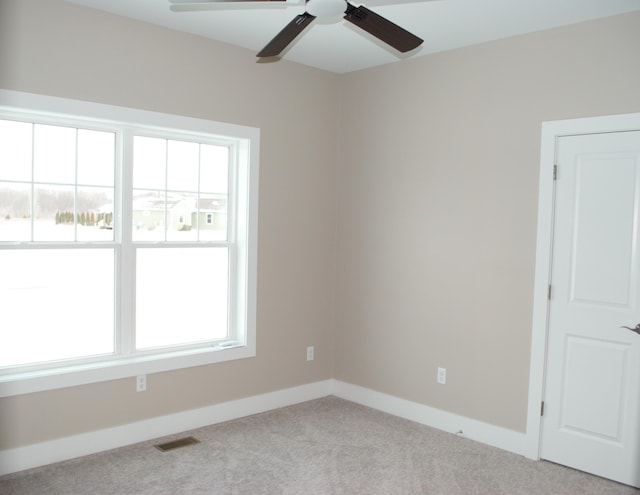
(246, 143)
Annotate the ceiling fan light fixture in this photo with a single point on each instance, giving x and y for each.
(326, 8)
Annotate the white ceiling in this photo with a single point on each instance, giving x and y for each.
(336, 45)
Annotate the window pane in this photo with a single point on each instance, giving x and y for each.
(181, 296)
(212, 217)
(15, 212)
(214, 166)
(54, 214)
(15, 150)
(149, 162)
(182, 166)
(148, 215)
(96, 157)
(93, 204)
(181, 217)
(56, 304)
(54, 154)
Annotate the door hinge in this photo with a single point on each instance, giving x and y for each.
(549, 292)
(542, 408)
(555, 172)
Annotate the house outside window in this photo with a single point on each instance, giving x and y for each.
(123, 248)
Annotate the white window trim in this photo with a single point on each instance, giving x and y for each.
(247, 209)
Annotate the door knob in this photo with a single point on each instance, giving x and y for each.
(637, 329)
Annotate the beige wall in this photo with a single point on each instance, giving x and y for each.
(56, 48)
(426, 170)
(439, 185)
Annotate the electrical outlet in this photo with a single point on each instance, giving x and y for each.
(141, 383)
(442, 375)
(310, 353)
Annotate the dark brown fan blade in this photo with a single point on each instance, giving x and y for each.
(286, 36)
(383, 29)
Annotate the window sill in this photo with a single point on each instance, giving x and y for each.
(70, 376)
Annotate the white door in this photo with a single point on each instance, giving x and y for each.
(591, 417)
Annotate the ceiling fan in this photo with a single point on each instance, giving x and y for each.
(367, 20)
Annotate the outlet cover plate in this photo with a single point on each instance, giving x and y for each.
(442, 376)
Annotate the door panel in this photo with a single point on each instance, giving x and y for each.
(592, 384)
(603, 235)
(606, 381)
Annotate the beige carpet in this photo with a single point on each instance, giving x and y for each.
(325, 446)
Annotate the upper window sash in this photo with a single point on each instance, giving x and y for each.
(177, 185)
(56, 172)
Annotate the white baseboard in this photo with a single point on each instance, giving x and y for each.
(40, 454)
(496, 436)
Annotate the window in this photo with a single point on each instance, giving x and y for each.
(124, 249)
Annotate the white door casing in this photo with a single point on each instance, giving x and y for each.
(551, 131)
(592, 386)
